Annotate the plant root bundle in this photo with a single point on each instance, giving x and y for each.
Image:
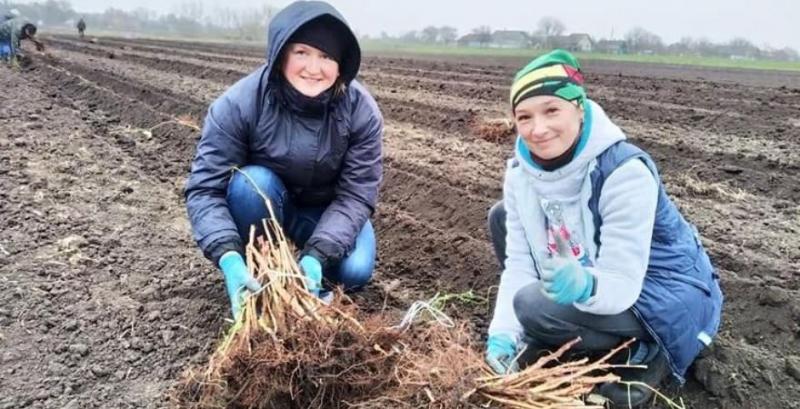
(288, 349)
(549, 384)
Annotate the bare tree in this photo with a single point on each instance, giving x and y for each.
(641, 40)
(448, 34)
(141, 13)
(743, 47)
(686, 45)
(483, 35)
(550, 27)
(56, 12)
(547, 28)
(410, 36)
(704, 46)
(429, 34)
(226, 18)
(192, 10)
(253, 22)
(786, 54)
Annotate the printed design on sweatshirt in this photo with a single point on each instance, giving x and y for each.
(555, 224)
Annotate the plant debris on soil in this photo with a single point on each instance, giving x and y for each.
(105, 300)
(289, 349)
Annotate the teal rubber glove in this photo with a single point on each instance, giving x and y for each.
(237, 280)
(313, 271)
(500, 353)
(564, 279)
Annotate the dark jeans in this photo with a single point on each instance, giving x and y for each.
(248, 208)
(549, 325)
(497, 232)
(5, 50)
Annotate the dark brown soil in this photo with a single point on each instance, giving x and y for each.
(104, 298)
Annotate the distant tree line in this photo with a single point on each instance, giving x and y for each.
(188, 18)
(550, 33)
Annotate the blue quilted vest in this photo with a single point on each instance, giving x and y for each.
(681, 302)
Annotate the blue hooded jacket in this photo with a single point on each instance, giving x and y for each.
(326, 150)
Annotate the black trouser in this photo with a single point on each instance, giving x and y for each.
(549, 325)
(497, 232)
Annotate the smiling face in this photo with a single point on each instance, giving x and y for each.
(549, 125)
(309, 69)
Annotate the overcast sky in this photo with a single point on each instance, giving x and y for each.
(773, 22)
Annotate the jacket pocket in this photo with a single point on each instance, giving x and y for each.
(700, 272)
(693, 281)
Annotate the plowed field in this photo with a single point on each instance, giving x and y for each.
(105, 299)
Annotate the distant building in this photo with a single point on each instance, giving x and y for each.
(538, 41)
(579, 42)
(510, 39)
(473, 40)
(612, 46)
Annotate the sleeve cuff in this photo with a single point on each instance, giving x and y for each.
(217, 249)
(312, 251)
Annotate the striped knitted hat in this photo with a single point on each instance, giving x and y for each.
(556, 73)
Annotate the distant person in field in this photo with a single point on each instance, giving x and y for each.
(591, 244)
(12, 32)
(309, 136)
(81, 27)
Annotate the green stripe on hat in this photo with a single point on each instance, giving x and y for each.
(556, 73)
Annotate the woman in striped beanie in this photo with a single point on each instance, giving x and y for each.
(591, 244)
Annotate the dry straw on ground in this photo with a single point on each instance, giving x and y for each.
(496, 130)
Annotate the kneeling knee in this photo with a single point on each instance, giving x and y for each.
(538, 314)
(355, 274)
(262, 177)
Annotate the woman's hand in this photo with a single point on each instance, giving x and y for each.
(564, 279)
(312, 268)
(500, 353)
(237, 280)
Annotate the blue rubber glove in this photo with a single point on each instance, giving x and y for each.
(500, 353)
(237, 280)
(564, 279)
(313, 270)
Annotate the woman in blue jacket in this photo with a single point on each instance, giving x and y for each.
(14, 29)
(590, 243)
(309, 136)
